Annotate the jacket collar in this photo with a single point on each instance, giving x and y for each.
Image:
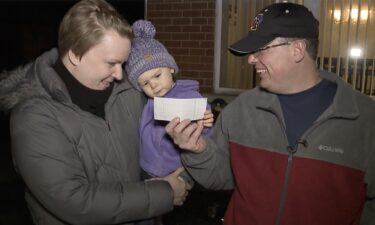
(343, 105)
(37, 79)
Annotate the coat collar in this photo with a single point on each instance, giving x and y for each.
(343, 105)
(39, 79)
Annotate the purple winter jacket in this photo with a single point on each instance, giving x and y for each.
(159, 156)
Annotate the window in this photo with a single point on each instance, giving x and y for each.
(347, 45)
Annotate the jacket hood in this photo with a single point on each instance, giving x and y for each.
(184, 86)
(15, 87)
(19, 85)
(38, 79)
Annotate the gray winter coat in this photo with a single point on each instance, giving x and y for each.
(78, 168)
(327, 179)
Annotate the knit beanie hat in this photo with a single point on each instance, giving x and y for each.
(146, 53)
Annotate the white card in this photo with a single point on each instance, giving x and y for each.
(187, 108)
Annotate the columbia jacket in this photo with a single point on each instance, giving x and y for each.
(78, 168)
(328, 179)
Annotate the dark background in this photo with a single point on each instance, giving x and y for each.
(28, 28)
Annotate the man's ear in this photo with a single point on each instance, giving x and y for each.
(172, 71)
(299, 50)
(73, 58)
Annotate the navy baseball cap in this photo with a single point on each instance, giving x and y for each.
(277, 20)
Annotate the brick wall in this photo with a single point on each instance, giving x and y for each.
(186, 28)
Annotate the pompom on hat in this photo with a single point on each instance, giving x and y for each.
(146, 53)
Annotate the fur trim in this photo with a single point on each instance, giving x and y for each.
(15, 87)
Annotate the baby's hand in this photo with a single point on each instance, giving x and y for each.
(208, 118)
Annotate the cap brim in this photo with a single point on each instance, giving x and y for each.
(249, 44)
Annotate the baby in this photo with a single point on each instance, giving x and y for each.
(150, 68)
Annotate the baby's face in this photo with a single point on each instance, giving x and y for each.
(156, 82)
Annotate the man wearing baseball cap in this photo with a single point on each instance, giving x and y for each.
(298, 149)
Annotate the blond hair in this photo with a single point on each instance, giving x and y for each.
(85, 24)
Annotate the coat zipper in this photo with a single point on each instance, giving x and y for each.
(285, 185)
(291, 151)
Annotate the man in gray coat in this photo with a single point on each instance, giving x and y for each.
(298, 149)
(74, 127)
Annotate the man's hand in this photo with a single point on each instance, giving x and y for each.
(187, 135)
(179, 186)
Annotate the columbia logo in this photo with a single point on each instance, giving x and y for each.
(330, 149)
